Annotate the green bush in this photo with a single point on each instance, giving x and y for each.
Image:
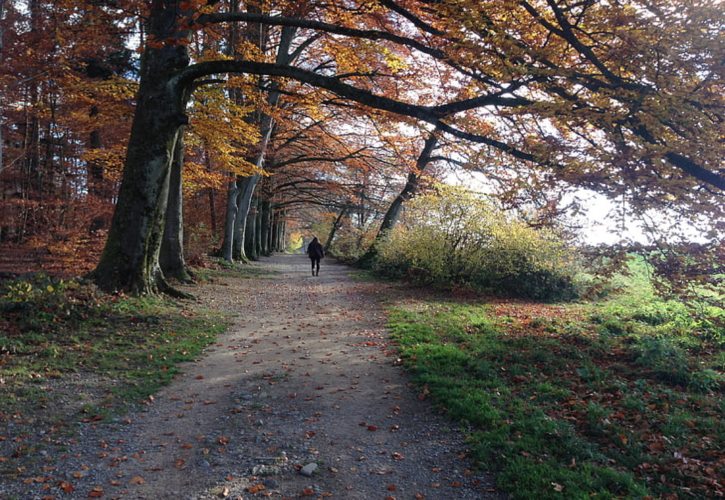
(454, 237)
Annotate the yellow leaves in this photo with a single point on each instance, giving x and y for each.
(394, 62)
(197, 177)
(222, 129)
(109, 159)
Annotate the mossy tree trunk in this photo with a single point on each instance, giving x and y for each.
(130, 259)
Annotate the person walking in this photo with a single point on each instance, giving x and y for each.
(316, 252)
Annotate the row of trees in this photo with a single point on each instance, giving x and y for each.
(282, 104)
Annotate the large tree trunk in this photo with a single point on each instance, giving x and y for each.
(130, 259)
(171, 257)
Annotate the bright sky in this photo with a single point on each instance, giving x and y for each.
(599, 217)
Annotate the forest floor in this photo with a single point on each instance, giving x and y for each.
(303, 396)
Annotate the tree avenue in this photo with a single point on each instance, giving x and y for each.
(624, 98)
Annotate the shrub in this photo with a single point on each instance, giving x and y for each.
(350, 243)
(454, 237)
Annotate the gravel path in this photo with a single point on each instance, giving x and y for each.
(302, 397)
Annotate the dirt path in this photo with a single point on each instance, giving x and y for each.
(304, 376)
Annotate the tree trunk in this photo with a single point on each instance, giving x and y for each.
(250, 234)
(171, 257)
(265, 229)
(95, 170)
(212, 202)
(393, 213)
(230, 220)
(335, 226)
(130, 259)
(273, 231)
(258, 230)
(284, 231)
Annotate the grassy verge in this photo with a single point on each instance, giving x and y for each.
(617, 399)
(69, 354)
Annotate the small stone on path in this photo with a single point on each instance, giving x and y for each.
(308, 469)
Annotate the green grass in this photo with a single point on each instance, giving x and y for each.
(622, 398)
(53, 329)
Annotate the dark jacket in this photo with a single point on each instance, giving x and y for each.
(315, 250)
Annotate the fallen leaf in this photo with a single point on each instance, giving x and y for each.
(255, 488)
(137, 480)
(397, 456)
(372, 428)
(557, 487)
(66, 487)
(392, 487)
(96, 492)
(179, 464)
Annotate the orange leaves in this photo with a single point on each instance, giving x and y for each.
(96, 492)
(66, 487)
(255, 488)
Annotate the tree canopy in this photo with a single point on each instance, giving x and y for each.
(328, 102)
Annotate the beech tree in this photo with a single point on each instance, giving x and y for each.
(614, 97)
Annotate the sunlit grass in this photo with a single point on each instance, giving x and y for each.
(619, 398)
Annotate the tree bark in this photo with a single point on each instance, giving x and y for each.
(130, 259)
(171, 257)
(230, 220)
(250, 234)
(265, 227)
(258, 230)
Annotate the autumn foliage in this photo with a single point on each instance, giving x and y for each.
(455, 237)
